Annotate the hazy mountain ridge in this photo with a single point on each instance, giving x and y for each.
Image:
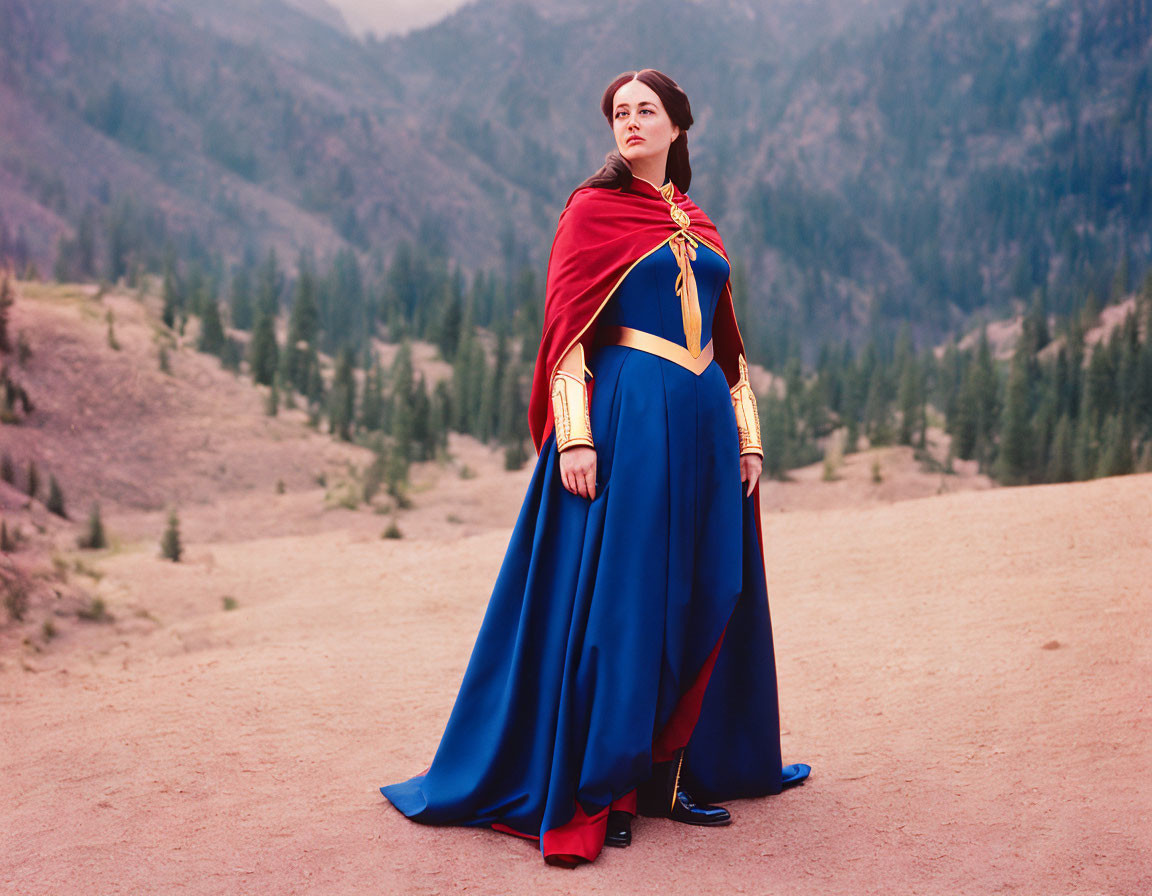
(967, 154)
(962, 155)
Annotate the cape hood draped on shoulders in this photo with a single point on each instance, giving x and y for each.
(601, 235)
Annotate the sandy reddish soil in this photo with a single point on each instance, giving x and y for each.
(969, 673)
(898, 477)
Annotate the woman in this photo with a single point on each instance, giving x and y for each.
(625, 660)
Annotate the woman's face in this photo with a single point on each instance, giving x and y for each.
(642, 128)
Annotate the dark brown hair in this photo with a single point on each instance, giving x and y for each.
(615, 173)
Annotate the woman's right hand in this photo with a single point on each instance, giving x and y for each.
(578, 470)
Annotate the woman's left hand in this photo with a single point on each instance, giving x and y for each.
(751, 465)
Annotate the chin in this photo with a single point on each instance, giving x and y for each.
(633, 154)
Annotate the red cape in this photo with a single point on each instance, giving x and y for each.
(602, 233)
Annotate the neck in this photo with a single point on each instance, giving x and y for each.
(650, 170)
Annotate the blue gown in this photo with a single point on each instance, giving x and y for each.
(605, 611)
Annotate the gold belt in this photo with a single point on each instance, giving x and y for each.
(656, 345)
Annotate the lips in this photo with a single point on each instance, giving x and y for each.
(634, 139)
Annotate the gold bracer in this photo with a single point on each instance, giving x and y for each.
(747, 420)
(570, 406)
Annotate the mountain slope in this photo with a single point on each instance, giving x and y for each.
(867, 165)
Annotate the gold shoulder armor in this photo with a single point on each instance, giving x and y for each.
(570, 406)
(747, 419)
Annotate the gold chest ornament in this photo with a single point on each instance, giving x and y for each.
(683, 246)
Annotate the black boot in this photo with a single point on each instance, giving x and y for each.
(619, 829)
(662, 797)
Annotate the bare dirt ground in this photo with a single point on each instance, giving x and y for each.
(969, 674)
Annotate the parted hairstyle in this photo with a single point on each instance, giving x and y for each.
(615, 173)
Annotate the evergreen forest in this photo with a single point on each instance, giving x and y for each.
(888, 185)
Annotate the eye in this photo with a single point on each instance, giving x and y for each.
(649, 111)
(620, 112)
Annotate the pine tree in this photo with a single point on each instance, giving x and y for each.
(372, 403)
(910, 402)
(469, 381)
(1034, 332)
(852, 433)
(7, 398)
(1142, 402)
(232, 354)
(93, 537)
(113, 342)
(489, 410)
(402, 375)
(1084, 453)
(1115, 449)
(423, 437)
(196, 288)
(1061, 375)
(973, 424)
(212, 338)
(342, 399)
(515, 455)
(987, 386)
(442, 413)
(1128, 385)
(241, 293)
(774, 436)
(7, 298)
(303, 330)
(527, 304)
(263, 353)
(173, 299)
(33, 480)
(314, 391)
(510, 426)
(396, 477)
(305, 320)
(272, 405)
(170, 546)
(401, 414)
(1144, 458)
(877, 407)
(55, 503)
(1062, 463)
(269, 286)
(120, 240)
(1016, 436)
(448, 331)
(740, 302)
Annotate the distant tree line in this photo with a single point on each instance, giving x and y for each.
(1059, 410)
(487, 328)
(1056, 412)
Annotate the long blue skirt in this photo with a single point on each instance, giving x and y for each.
(603, 615)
